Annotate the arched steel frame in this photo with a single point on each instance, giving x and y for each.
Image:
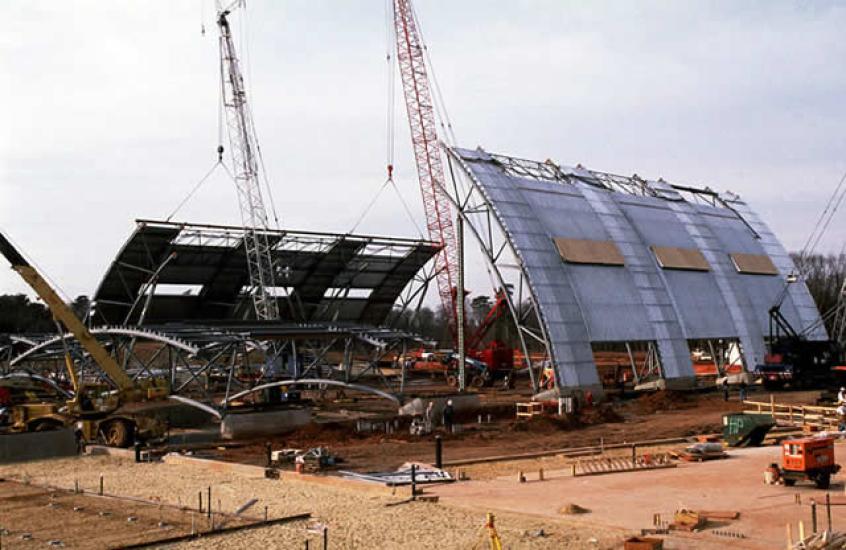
(314, 381)
(495, 243)
(105, 332)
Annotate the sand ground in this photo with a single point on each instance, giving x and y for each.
(355, 519)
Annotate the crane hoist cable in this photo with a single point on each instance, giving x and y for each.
(194, 189)
(438, 100)
(390, 71)
(389, 182)
(390, 128)
(825, 218)
(820, 227)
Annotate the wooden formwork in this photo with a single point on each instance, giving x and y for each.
(788, 414)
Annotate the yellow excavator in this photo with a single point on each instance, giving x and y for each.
(114, 416)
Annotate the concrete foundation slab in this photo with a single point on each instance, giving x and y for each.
(37, 446)
(255, 424)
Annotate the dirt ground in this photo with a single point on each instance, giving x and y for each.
(653, 416)
(527, 514)
(629, 500)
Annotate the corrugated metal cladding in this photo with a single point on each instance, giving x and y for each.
(689, 270)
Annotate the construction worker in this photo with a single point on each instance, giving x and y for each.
(742, 391)
(841, 417)
(772, 475)
(448, 414)
(725, 389)
(841, 396)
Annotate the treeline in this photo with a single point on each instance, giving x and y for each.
(20, 315)
(433, 325)
(824, 275)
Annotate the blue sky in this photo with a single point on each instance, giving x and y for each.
(110, 108)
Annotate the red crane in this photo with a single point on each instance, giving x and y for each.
(427, 152)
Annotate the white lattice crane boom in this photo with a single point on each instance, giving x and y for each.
(243, 148)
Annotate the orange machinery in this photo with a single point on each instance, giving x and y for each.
(810, 458)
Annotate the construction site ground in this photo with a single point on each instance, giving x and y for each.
(652, 416)
(33, 517)
(629, 500)
(355, 517)
(528, 514)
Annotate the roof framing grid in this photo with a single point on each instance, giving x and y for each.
(182, 271)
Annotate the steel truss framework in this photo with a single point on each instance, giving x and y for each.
(211, 364)
(632, 185)
(504, 268)
(211, 358)
(332, 278)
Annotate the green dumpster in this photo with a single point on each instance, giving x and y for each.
(746, 430)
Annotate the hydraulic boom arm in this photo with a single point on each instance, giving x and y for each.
(65, 315)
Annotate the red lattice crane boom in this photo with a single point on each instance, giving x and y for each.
(427, 153)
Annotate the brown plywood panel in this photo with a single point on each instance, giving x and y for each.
(680, 258)
(585, 251)
(755, 264)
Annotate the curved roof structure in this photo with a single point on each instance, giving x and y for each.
(621, 259)
(179, 272)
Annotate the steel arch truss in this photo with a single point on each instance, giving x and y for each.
(504, 266)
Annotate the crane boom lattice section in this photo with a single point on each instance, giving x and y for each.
(243, 148)
(427, 153)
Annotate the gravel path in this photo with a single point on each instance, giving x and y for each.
(355, 519)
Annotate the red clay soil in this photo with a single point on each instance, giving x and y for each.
(656, 416)
(664, 401)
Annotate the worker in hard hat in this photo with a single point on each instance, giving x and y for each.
(841, 396)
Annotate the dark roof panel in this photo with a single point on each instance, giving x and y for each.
(199, 273)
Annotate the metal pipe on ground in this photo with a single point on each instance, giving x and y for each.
(223, 531)
(569, 452)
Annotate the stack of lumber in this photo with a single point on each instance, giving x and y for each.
(700, 452)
